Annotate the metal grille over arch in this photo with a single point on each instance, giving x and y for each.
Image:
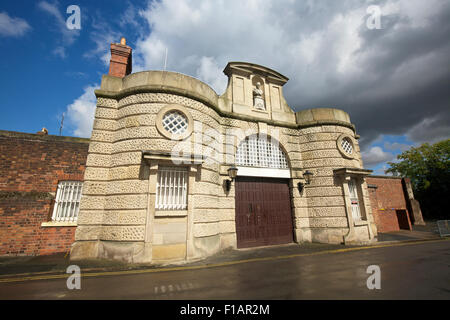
(261, 151)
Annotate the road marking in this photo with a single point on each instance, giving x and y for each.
(216, 265)
(169, 289)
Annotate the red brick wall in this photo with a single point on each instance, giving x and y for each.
(30, 168)
(386, 200)
(21, 232)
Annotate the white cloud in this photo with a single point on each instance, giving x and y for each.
(80, 113)
(51, 9)
(129, 17)
(376, 155)
(394, 146)
(389, 80)
(102, 40)
(207, 72)
(12, 27)
(382, 171)
(60, 51)
(68, 37)
(273, 33)
(325, 49)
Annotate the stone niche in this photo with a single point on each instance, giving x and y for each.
(249, 82)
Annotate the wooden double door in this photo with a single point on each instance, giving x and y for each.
(263, 212)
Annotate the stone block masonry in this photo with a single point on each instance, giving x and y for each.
(156, 172)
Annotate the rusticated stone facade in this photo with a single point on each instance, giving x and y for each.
(119, 218)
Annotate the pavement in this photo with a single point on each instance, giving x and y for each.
(428, 231)
(19, 266)
(400, 270)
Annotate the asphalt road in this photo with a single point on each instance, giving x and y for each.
(417, 271)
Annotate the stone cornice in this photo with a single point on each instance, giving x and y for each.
(352, 171)
(213, 105)
(246, 69)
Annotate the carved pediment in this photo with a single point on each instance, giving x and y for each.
(246, 69)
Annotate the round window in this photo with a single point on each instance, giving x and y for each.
(175, 122)
(346, 146)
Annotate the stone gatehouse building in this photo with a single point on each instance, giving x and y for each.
(158, 185)
(175, 172)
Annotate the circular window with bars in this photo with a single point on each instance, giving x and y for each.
(346, 146)
(174, 122)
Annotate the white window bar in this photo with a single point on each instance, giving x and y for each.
(260, 152)
(242, 152)
(253, 151)
(171, 189)
(175, 122)
(356, 213)
(347, 146)
(67, 201)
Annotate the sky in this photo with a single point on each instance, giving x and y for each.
(393, 79)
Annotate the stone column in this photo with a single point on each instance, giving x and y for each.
(413, 204)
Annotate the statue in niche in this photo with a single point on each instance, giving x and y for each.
(258, 101)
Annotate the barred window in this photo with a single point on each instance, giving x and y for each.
(175, 122)
(347, 145)
(171, 189)
(264, 152)
(67, 201)
(356, 212)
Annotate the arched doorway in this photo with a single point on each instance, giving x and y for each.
(262, 195)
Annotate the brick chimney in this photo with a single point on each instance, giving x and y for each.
(120, 64)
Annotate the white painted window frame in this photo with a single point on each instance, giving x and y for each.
(67, 201)
(347, 145)
(261, 152)
(354, 200)
(263, 172)
(175, 122)
(171, 188)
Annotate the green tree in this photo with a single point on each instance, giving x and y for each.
(428, 168)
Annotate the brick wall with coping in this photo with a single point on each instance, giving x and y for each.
(31, 166)
(389, 202)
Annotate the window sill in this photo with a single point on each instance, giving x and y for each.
(260, 110)
(171, 213)
(58, 224)
(361, 222)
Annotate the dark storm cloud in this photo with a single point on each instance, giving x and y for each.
(391, 81)
(405, 80)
